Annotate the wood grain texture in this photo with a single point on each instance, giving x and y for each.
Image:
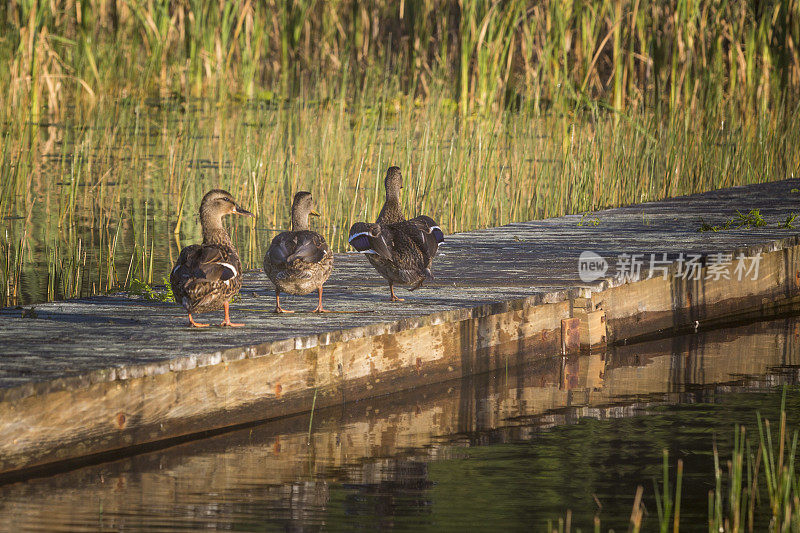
(394, 430)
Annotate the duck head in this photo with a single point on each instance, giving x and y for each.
(393, 182)
(218, 203)
(215, 205)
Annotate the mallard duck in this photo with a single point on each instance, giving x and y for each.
(207, 275)
(402, 251)
(299, 261)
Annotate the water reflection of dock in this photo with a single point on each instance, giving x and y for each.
(382, 440)
(105, 374)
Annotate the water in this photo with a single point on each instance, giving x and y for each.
(503, 451)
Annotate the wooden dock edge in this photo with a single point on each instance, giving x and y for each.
(125, 407)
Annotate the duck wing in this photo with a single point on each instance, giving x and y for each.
(280, 248)
(289, 246)
(213, 262)
(371, 239)
(430, 226)
(425, 233)
(410, 252)
(182, 271)
(205, 274)
(309, 247)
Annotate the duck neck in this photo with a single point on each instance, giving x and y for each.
(299, 220)
(391, 212)
(214, 232)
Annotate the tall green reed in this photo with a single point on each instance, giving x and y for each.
(629, 54)
(127, 179)
(757, 486)
(496, 111)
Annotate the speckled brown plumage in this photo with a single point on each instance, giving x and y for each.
(402, 252)
(206, 276)
(299, 261)
(392, 211)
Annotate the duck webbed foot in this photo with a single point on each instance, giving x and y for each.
(278, 308)
(319, 308)
(417, 285)
(227, 322)
(196, 324)
(394, 296)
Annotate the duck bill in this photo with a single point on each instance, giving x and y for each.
(314, 214)
(239, 210)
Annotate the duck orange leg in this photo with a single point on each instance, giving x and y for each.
(394, 296)
(319, 308)
(196, 324)
(227, 321)
(278, 308)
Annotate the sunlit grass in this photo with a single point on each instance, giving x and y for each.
(91, 205)
(631, 54)
(116, 117)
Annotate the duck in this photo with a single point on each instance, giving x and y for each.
(299, 261)
(206, 276)
(402, 251)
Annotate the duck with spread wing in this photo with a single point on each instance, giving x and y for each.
(402, 251)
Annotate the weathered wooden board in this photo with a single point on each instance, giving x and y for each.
(96, 375)
(282, 460)
(110, 415)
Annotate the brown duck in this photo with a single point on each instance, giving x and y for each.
(206, 276)
(299, 261)
(402, 251)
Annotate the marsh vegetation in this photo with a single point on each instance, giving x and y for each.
(117, 115)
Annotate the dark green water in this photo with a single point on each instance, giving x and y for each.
(495, 452)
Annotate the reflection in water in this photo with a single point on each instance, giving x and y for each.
(501, 450)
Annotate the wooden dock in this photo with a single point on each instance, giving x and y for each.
(377, 440)
(88, 377)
